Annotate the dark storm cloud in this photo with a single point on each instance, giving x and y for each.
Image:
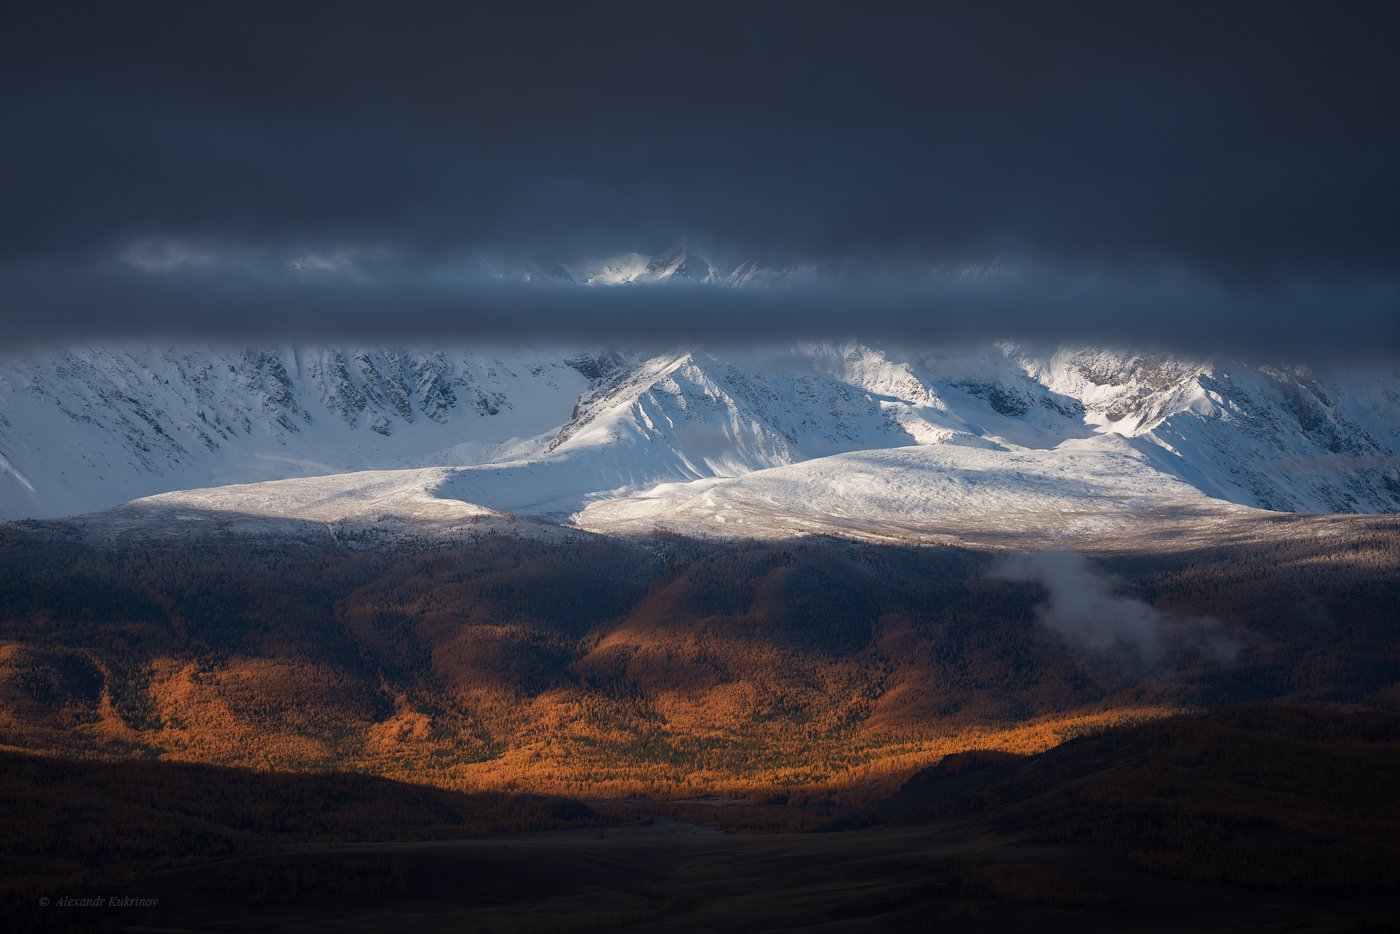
(189, 294)
(1136, 158)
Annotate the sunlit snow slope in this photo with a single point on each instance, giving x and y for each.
(812, 436)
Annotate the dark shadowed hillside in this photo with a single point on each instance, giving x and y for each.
(84, 827)
(662, 665)
(1279, 797)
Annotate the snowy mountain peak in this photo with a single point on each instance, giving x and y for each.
(553, 430)
(681, 264)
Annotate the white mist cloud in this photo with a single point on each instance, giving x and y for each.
(1084, 605)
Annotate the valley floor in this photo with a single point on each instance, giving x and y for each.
(952, 877)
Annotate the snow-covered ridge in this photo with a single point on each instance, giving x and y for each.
(620, 437)
(85, 428)
(680, 265)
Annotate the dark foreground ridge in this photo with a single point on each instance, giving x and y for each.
(1270, 796)
(1259, 818)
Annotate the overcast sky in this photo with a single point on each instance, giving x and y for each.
(1141, 170)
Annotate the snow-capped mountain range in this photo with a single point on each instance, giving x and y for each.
(696, 437)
